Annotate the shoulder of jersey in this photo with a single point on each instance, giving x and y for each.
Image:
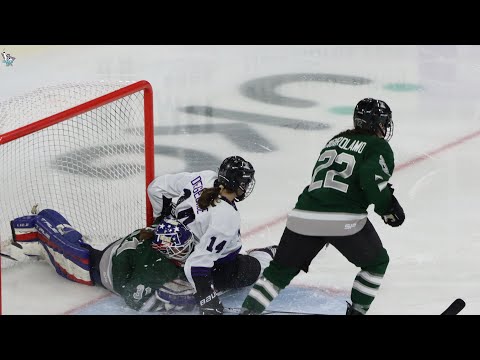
(380, 144)
(208, 174)
(225, 218)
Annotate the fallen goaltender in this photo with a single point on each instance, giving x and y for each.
(145, 267)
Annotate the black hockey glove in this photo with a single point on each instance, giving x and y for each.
(390, 186)
(396, 216)
(207, 298)
(211, 305)
(166, 210)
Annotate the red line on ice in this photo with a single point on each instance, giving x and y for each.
(280, 219)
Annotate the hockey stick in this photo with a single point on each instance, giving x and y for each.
(8, 257)
(454, 308)
(232, 310)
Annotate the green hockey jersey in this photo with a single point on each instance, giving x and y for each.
(132, 269)
(351, 173)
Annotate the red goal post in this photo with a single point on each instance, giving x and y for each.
(90, 157)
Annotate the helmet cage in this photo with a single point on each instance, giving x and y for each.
(173, 239)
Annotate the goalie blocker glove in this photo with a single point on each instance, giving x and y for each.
(207, 297)
(395, 216)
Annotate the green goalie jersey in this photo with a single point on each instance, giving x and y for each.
(131, 268)
(351, 173)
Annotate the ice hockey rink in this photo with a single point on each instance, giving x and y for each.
(277, 106)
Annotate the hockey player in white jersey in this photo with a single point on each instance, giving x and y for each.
(206, 205)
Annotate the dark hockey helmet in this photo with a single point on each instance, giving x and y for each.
(374, 116)
(173, 239)
(235, 173)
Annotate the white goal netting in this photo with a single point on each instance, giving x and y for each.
(89, 167)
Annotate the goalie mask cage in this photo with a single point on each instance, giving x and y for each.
(85, 150)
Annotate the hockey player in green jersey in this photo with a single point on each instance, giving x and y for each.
(351, 173)
(145, 267)
(138, 266)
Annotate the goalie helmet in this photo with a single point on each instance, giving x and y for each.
(374, 116)
(236, 173)
(173, 239)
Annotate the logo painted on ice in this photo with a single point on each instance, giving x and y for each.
(7, 59)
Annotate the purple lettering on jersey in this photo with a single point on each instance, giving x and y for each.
(197, 180)
(197, 191)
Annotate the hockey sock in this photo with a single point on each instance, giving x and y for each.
(367, 283)
(275, 278)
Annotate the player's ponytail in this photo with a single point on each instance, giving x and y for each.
(209, 197)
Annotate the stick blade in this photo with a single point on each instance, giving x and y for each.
(454, 307)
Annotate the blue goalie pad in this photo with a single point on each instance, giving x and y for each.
(53, 223)
(23, 229)
(66, 250)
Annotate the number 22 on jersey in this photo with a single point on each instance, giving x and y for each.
(329, 181)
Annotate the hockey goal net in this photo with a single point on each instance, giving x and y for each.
(85, 150)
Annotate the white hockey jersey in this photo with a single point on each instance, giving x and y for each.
(216, 228)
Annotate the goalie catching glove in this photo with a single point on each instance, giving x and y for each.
(177, 295)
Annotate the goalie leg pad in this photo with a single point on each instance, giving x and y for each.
(65, 247)
(23, 229)
(25, 236)
(62, 244)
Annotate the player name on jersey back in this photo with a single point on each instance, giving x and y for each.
(347, 144)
